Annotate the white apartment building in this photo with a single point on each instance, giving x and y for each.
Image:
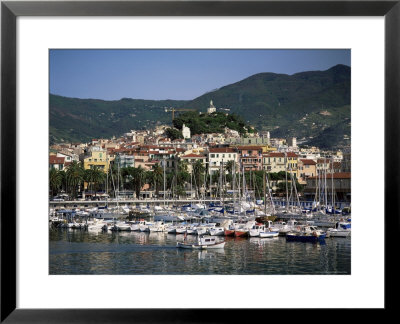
(221, 155)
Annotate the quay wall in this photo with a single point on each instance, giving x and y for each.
(129, 202)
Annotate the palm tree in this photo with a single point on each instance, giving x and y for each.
(138, 180)
(87, 177)
(55, 181)
(158, 177)
(97, 178)
(182, 175)
(229, 166)
(115, 177)
(75, 176)
(126, 175)
(198, 172)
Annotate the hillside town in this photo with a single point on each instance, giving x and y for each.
(253, 177)
(150, 151)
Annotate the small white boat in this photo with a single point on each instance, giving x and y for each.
(217, 231)
(123, 227)
(341, 229)
(180, 230)
(171, 229)
(202, 243)
(96, 227)
(192, 230)
(157, 227)
(256, 230)
(200, 230)
(268, 233)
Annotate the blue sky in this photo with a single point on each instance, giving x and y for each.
(173, 74)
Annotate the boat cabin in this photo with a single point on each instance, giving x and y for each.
(343, 226)
(206, 240)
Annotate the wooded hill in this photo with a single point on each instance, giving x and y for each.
(307, 105)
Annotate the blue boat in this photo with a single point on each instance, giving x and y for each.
(307, 234)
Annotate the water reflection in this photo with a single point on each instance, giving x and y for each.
(80, 252)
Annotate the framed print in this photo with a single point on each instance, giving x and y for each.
(53, 279)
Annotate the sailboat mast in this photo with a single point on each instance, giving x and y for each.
(265, 196)
(286, 183)
(164, 180)
(325, 184)
(333, 194)
(234, 180)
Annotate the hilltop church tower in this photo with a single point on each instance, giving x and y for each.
(185, 131)
(211, 109)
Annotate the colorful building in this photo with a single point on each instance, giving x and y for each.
(96, 157)
(306, 168)
(278, 161)
(250, 157)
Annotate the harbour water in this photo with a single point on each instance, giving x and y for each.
(139, 253)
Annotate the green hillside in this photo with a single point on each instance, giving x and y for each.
(270, 100)
(74, 119)
(216, 122)
(304, 105)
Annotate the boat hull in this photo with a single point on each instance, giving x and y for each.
(339, 233)
(269, 234)
(200, 247)
(305, 238)
(241, 233)
(229, 232)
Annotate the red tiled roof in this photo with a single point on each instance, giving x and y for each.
(198, 156)
(308, 162)
(249, 147)
(56, 160)
(222, 150)
(279, 154)
(338, 175)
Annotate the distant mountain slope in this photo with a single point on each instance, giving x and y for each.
(74, 119)
(268, 100)
(302, 105)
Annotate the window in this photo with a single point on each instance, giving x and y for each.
(212, 155)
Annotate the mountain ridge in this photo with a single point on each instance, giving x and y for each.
(269, 101)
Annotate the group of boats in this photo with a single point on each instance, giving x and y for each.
(206, 230)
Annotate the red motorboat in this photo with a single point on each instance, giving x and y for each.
(229, 232)
(241, 233)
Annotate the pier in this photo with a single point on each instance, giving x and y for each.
(130, 202)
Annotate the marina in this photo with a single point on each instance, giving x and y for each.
(139, 253)
(211, 182)
(199, 240)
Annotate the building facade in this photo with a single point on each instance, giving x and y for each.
(218, 156)
(96, 157)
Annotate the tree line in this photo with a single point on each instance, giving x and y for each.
(75, 180)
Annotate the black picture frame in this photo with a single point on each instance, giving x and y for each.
(10, 10)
